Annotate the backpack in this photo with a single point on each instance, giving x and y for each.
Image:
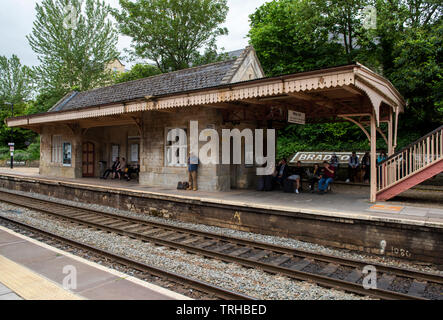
(180, 185)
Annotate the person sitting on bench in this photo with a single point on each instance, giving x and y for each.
(113, 169)
(326, 178)
(281, 172)
(314, 177)
(121, 169)
(296, 176)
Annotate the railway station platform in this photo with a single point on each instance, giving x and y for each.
(32, 270)
(344, 218)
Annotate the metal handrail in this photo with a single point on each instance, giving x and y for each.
(410, 145)
(413, 158)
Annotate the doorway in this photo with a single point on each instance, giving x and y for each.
(88, 159)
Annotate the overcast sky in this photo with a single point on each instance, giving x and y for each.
(17, 16)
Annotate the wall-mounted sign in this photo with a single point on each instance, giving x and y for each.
(319, 157)
(67, 154)
(296, 117)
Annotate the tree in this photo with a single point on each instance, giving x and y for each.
(171, 32)
(73, 43)
(16, 86)
(15, 80)
(418, 74)
(138, 71)
(292, 36)
(405, 47)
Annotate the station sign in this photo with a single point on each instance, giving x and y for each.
(11, 144)
(319, 157)
(296, 117)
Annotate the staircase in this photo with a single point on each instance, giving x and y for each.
(410, 166)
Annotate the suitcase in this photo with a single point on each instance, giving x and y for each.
(288, 186)
(268, 183)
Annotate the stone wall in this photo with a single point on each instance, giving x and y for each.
(49, 168)
(154, 171)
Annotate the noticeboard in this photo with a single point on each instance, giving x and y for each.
(296, 117)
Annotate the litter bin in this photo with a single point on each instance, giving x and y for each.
(103, 166)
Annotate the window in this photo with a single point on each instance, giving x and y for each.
(134, 152)
(56, 149)
(115, 152)
(67, 154)
(176, 147)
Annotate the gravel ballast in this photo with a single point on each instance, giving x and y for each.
(291, 243)
(252, 282)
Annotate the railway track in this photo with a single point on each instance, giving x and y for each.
(325, 270)
(136, 265)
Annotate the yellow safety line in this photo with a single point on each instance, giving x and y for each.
(29, 285)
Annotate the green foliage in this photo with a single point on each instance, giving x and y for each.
(15, 80)
(32, 152)
(171, 32)
(418, 75)
(73, 43)
(405, 47)
(291, 36)
(15, 87)
(138, 71)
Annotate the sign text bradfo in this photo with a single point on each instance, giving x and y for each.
(318, 157)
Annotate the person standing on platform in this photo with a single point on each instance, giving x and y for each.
(382, 157)
(192, 172)
(366, 166)
(334, 162)
(353, 164)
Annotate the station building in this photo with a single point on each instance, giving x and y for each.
(132, 119)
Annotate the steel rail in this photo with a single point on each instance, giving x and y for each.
(269, 267)
(196, 284)
(426, 276)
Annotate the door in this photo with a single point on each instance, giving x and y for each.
(88, 159)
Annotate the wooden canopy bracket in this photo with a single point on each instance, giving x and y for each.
(139, 123)
(84, 131)
(348, 117)
(74, 128)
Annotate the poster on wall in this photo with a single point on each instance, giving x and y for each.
(67, 155)
(134, 152)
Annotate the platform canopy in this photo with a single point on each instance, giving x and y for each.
(321, 94)
(350, 92)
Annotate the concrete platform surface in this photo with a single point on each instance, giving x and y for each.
(32, 270)
(345, 201)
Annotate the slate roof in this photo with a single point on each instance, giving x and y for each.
(200, 77)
